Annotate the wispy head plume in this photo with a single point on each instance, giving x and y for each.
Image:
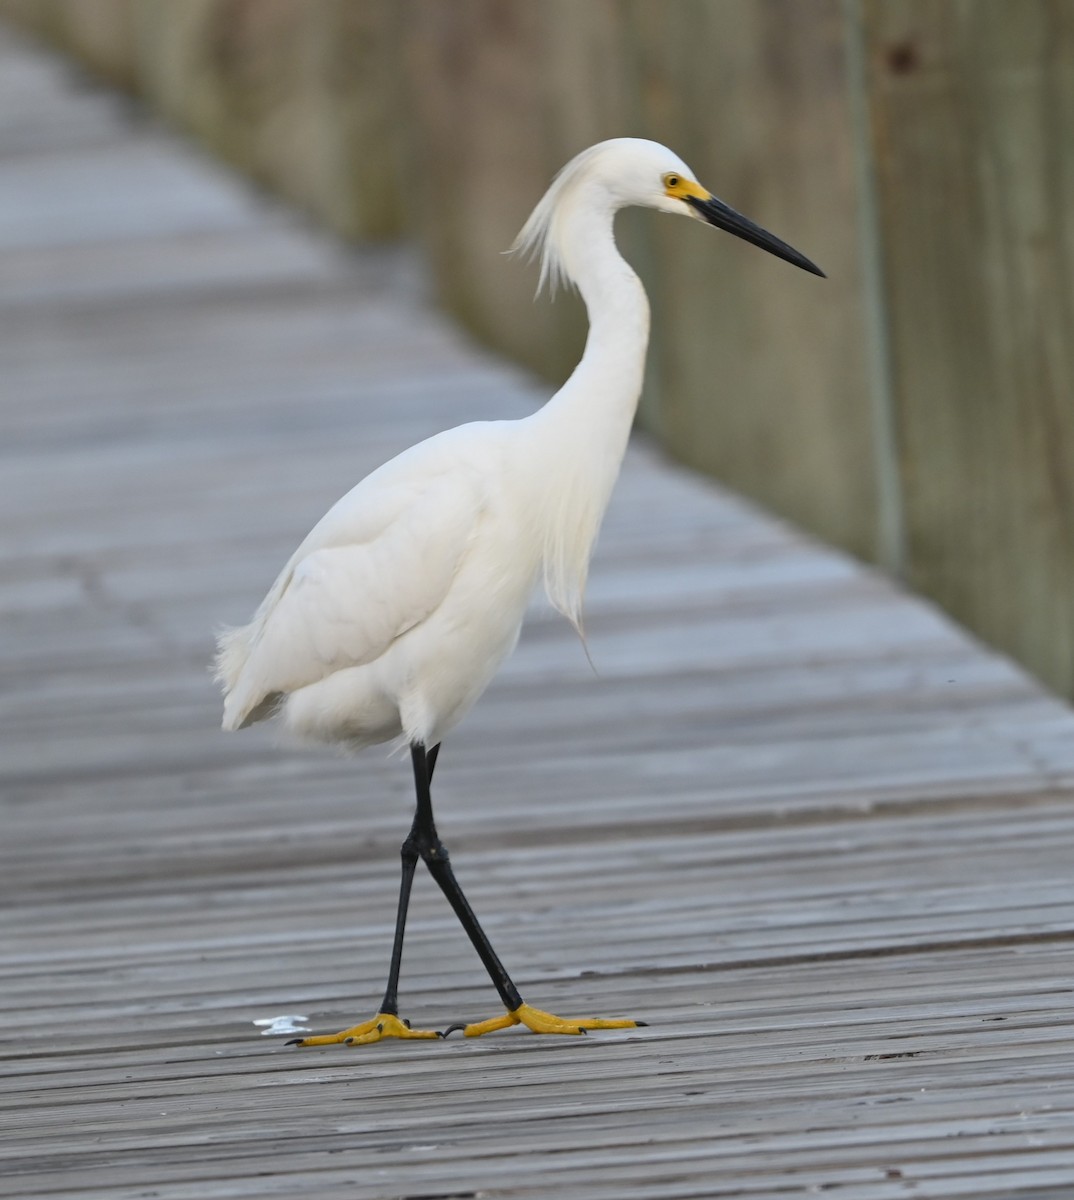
(539, 237)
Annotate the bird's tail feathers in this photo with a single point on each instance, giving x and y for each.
(233, 646)
(232, 650)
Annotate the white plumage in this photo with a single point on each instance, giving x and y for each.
(394, 613)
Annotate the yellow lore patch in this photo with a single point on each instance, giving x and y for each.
(678, 187)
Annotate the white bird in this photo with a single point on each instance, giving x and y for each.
(393, 615)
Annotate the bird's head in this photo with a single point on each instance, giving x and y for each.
(627, 172)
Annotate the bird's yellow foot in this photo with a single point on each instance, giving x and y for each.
(383, 1025)
(542, 1022)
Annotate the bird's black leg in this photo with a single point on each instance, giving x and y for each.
(433, 853)
(423, 842)
(435, 856)
(387, 1023)
(409, 854)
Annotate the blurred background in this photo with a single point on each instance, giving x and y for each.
(918, 410)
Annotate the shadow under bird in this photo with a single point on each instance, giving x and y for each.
(393, 615)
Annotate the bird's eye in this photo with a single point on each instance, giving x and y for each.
(672, 181)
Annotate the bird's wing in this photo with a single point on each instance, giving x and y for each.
(342, 604)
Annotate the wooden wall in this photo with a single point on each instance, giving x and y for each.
(972, 105)
(916, 408)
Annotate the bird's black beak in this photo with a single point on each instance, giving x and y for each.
(723, 216)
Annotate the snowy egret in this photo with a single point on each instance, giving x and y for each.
(392, 616)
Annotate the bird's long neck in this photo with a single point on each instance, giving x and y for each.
(606, 384)
(585, 426)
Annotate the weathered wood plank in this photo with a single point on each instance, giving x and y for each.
(798, 821)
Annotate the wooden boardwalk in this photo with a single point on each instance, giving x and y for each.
(811, 832)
